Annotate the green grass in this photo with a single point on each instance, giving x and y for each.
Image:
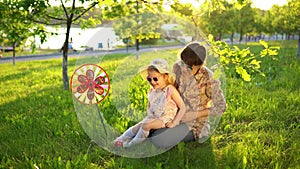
(39, 125)
(29, 52)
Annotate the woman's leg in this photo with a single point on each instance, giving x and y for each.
(169, 137)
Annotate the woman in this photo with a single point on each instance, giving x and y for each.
(201, 94)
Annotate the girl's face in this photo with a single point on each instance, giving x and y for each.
(157, 80)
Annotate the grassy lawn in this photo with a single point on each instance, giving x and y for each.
(29, 52)
(40, 128)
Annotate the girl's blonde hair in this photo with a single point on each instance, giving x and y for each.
(170, 80)
(159, 65)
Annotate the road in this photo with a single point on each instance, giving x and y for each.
(86, 53)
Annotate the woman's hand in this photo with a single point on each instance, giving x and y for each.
(192, 115)
(188, 116)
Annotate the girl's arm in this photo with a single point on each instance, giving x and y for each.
(180, 104)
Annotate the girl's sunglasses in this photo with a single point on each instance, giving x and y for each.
(155, 79)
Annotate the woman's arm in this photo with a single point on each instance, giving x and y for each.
(215, 93)
(192, 115)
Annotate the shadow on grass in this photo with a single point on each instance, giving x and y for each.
(40, 128)
(43, 129)
(191, 155)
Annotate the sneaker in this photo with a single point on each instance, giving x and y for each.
(118, 143)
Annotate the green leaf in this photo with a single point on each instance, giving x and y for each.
(264, 43)
(272, 52)
(264, 53)
(210, 37)
(244, 161)
(255, 63)
(68, 165)
(236, 48)
(245, 75)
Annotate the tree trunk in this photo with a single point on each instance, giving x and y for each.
(241, 36)
(298, 52)
(231, 38)
(65, 69)
(137, 55)
(65, 57)
(14, 54)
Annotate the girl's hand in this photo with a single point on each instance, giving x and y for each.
(169, 124)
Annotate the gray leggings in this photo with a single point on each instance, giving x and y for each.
(169, 137)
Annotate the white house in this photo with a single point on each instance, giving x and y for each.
(95, 38)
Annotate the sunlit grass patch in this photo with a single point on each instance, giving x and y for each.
(39, 125)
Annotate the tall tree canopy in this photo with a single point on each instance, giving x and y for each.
(17, 24)
(69, 12)
(135, 18)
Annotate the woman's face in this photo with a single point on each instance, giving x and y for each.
(192, 69)
(157, 80)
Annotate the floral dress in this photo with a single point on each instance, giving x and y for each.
(199, 91)
(160, 106)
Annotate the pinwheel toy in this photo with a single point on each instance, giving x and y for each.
(90, 84)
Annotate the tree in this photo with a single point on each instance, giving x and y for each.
(293, 17)
(219, 19)
(244, 18)
(139, 26)
(243, 61)
(189, 16)
(136, 11)
(267, 22)
(18, 25)
(259, 16)
(278, 19)
(69, 12)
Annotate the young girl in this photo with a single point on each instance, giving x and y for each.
(163, 103)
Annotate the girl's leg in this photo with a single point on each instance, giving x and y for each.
(128, 134)
(143, 132)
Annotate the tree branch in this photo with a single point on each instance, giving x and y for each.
(42, 22)
(86, 10)
(65, 10)
(56, 18)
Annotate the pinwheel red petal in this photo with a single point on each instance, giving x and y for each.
(98, 89)
(82, 79)
(100, 80)
(90, 75)
(90, 94)
(82, 88)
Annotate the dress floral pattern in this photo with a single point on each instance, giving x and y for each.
(161, 106)
(199, 91)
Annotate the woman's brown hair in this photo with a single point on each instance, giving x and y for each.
(193, 54)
